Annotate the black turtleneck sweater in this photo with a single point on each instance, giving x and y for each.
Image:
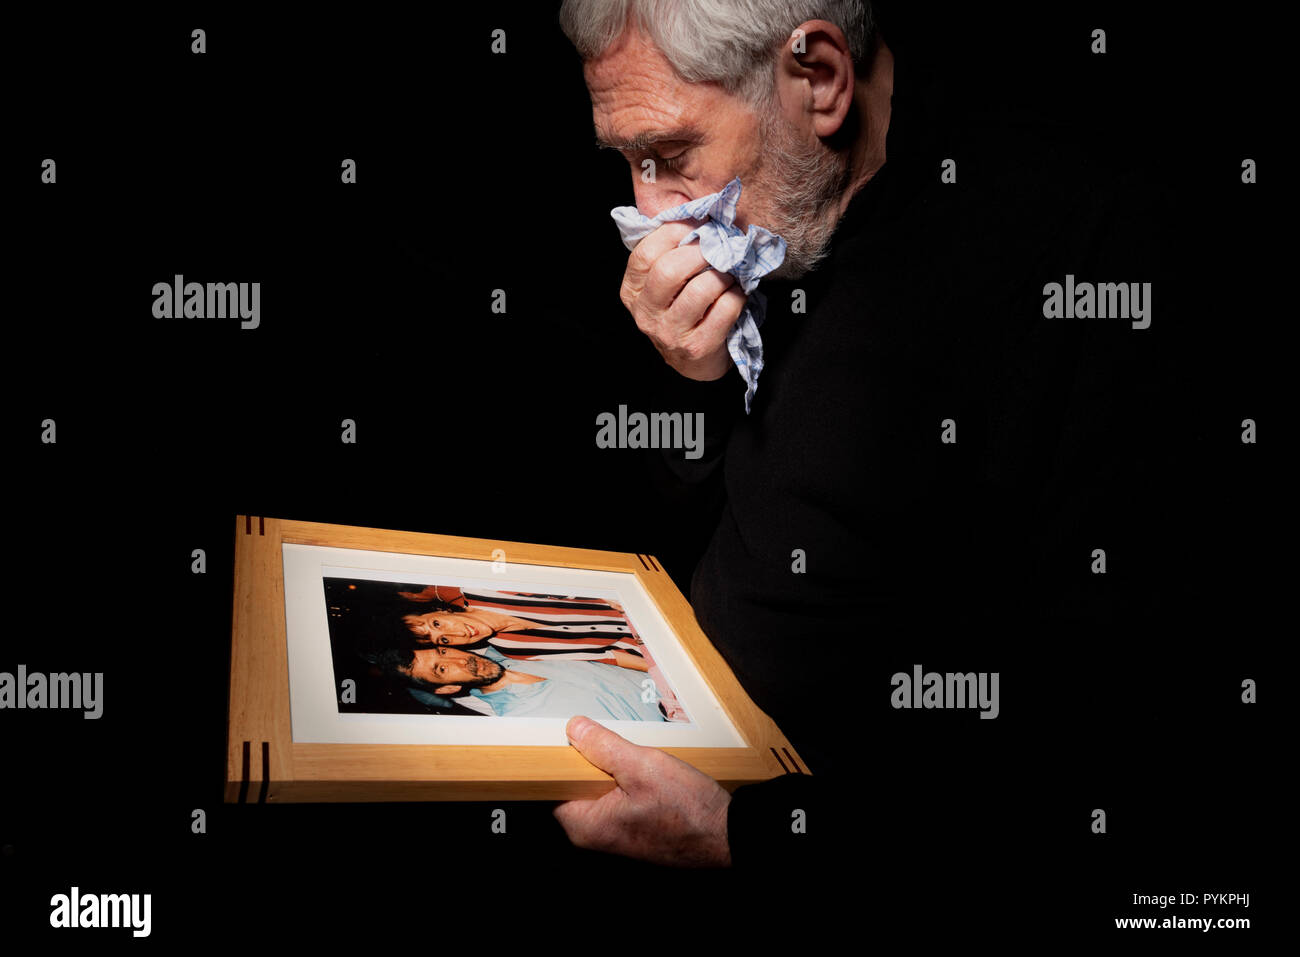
(929, 309)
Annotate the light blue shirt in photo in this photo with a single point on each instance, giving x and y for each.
(594, 689)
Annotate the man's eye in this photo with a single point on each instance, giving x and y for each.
(672, 162)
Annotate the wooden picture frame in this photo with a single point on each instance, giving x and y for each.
(265, 764)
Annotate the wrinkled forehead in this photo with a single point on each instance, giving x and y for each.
(636, 97)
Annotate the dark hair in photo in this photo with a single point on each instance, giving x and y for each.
(391, 661)
(369, 615)
(394, 663)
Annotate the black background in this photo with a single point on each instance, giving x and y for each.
(478, 172)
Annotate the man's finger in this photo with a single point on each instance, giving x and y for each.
(695, 301)
(575, 817)
(721, 316)
(643, 258)
(670, 274)
(666, 237)
(608, 751)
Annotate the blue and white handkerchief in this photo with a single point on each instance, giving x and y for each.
(747, 256)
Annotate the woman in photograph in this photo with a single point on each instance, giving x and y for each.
(526, 626)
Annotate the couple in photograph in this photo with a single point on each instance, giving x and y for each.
(517, 654)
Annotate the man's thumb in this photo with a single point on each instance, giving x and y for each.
(608, 751)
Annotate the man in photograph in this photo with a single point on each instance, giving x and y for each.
(547, 689)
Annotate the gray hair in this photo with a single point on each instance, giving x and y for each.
(729, 42)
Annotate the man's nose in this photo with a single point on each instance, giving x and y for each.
(653, 198)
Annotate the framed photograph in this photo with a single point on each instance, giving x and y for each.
(376, 665)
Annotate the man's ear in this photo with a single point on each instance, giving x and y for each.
(818, 54)
(448, 689)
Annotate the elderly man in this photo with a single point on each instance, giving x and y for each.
(910, 471)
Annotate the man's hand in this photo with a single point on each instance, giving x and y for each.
(661, 810)
(680, 302)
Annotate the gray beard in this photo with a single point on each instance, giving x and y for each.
(803, 183)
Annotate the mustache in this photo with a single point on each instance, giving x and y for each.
(481, 667)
